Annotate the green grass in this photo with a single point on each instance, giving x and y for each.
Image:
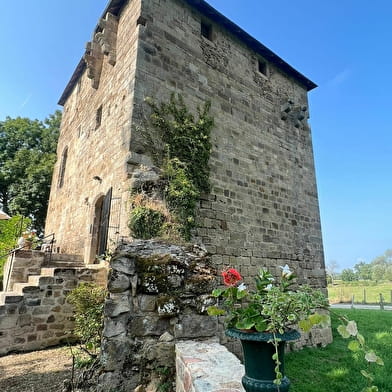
(343, 292)
(335, 368)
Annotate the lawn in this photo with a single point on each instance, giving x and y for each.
(335, 368)
(343, 292)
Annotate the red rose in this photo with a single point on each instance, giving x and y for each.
(231, 276)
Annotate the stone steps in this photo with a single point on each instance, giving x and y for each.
(10, 297)
(62, 257)
(64, 264)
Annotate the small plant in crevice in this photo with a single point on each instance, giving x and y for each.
(184, 162)
(147, 217)
(166, 377)
(146, 223)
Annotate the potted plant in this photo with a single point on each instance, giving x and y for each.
(266, 317)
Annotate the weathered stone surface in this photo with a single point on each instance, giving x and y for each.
(114, 352)
(148, 325)
(117, 304)
(161, 353)
(118, 282)
(116, 326)
(194, 326)
(123, 264)
(147, 303)
(150, 328)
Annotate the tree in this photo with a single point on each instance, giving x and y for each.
(363, 270)
(27, 157)
(332, 266)
(348, 275)
(9, 232)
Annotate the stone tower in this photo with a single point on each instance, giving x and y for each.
(263, 207)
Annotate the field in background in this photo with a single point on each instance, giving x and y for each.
(364, 292)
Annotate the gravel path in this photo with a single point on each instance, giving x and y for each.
(38, 371)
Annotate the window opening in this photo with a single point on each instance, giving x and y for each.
(262, 67)
(206, 30)
(98, 117)
(62, 167)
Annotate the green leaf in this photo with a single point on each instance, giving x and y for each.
(241, 294)
(306, 325)
(379, 361)
(343, 332)
(245, 324)
(371, 356)
(315, 318)
(326, 321)
(367, 375)
(361, 339)
(217, 292)
(261, 326)
(352, 328)
(214, 311)
(354, 346)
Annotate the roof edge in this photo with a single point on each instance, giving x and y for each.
(115, 6)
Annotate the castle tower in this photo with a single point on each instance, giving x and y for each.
(263, 206)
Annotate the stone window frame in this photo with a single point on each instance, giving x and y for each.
(63, 164)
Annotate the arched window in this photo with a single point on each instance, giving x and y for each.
(63, 164)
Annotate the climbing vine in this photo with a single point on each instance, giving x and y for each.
(185, 170)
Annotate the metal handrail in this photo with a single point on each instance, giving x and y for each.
(24, 246)
(13, 251)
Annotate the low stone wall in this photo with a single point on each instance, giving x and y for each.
(207, 367)
(158, 295)
(36, 314)
(24, 263)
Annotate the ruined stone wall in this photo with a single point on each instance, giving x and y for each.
(97, 153)
(263, 207)
(36, 314)
(158, 295)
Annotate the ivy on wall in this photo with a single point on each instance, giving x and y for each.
(184, 164)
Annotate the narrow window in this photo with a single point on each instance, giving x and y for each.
(206, 30)
(262, 67)
(98, 117)
(63, 164)
(78, 86)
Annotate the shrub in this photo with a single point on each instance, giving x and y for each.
(88, 301)
(146, 222)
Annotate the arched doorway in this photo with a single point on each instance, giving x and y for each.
(100, 226)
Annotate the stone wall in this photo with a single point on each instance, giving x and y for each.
(36, 315)
(263, 207)
(96, 131)
(158, 295)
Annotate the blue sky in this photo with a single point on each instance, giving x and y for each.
(342, 45)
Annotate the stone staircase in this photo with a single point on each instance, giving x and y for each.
(49, 262)
(62, 260)
(34, 313)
